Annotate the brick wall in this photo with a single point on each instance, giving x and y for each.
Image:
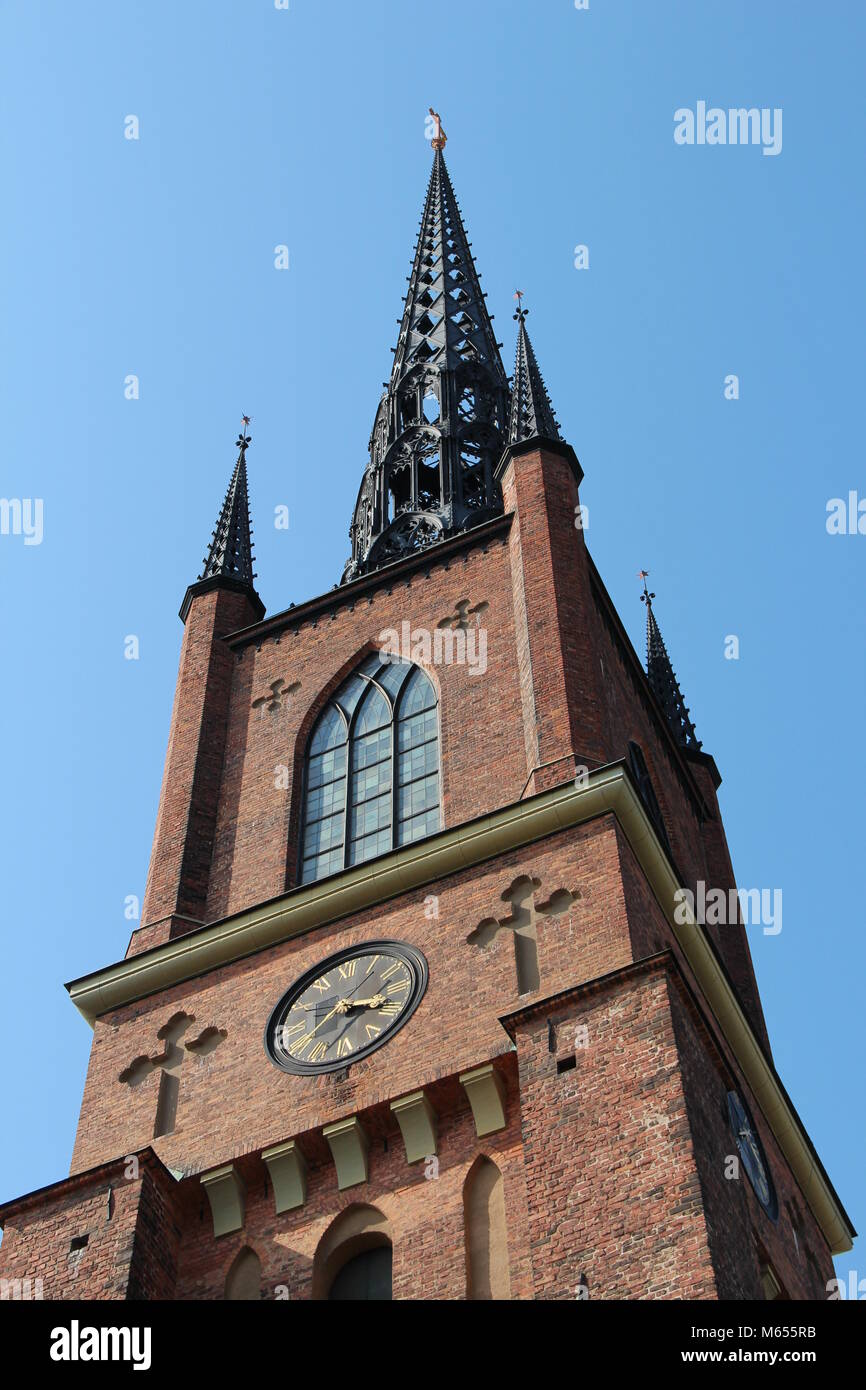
(130, 1230)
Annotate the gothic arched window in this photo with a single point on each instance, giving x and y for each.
(372, 768)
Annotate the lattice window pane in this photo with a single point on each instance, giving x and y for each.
(418, 694)
(323, 835)
(372, 748)
(375, 713)
(392, 676)
(370, 846)
(422, 795)
(371, 781)
(420, 728)
(330, 731)
(370, 815)
(419, 760)
(327, 767)
(418, 828)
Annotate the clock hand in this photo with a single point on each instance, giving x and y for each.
(336, 1009)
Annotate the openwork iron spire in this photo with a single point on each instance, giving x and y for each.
(662, 679)
(531, 411)
(231, 548)
(440, 426)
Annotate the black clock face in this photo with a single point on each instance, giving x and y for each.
(752, 1154)
(346, 1007)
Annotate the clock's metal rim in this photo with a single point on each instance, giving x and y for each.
(411, 956)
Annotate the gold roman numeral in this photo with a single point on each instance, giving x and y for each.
(319, 1052)
(372, 1031)
(344, 1047)
(347, 970)
(322, 985)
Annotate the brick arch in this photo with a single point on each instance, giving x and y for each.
(487, 1268)
(357, 1228)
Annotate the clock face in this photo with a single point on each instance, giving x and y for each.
(346, 1007)
(752, 1154)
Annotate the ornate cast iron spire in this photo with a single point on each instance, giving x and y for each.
(662, 679)
(440, 426)
(531, 411)
(231, 548)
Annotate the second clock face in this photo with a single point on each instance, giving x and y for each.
(752, 1154)
(346, 1007)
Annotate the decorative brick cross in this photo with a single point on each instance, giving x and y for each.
(523, 925)
(278, 691)
(169, 1061)
(462, 612)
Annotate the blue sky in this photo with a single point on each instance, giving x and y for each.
(155, 257)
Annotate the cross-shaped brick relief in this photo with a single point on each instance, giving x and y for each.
(459, 619)
(278, 691)
(169, 1061)
(523, 926)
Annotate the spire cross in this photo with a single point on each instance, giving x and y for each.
(440, 138)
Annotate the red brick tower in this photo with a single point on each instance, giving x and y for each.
(418, 1007)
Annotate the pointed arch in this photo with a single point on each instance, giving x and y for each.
(244, 1279)
(353, 1258)
(487, 1272)
(371, 778)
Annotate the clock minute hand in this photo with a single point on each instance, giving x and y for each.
(339, 1007)
(374, 1002)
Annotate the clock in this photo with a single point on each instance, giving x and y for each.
(752, 1154)
(345, 1007)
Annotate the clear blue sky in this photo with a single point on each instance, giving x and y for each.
(155, 257)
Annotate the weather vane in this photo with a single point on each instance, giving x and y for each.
(646, 597)
(243, 438)
(521, 312)
(439, 139)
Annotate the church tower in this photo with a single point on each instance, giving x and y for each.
(441, 988)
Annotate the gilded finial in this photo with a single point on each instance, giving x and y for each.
(646, 597)
(439, 137)
(521, 312)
